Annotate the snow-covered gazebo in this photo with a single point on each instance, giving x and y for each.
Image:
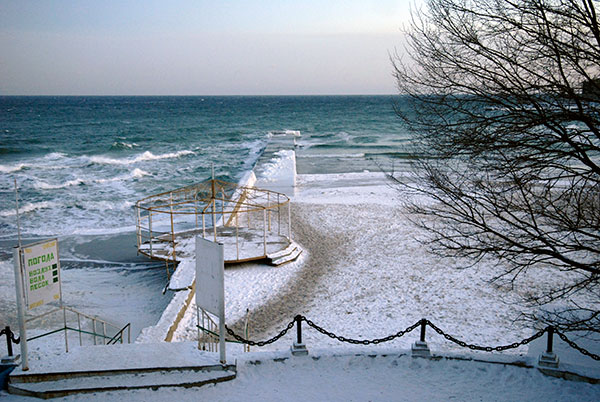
(251, 223)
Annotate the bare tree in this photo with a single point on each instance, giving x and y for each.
(502, 97)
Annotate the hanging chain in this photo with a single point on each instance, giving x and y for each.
(406, 331)
(360, 341)
(576, 346)
(260, 343)
(485, 348)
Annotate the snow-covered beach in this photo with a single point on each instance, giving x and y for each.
(364, 275)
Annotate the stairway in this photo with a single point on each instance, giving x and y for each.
(63, 384)
(289, 254)
(121, 367)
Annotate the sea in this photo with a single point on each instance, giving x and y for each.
(80, 163)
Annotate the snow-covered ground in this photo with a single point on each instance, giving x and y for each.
(363, 274)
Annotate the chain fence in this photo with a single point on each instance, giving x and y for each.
(424, 322)
(577, 347)
(260, 343)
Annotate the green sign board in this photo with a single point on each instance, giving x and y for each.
(42, 273)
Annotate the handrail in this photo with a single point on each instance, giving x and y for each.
(93, 332)
(119, 335)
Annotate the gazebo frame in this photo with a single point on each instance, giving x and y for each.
(237, 216)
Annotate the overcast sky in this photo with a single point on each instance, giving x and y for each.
(196, 47)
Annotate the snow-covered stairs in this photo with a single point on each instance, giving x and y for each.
(289, 254)
(63, 384)
(119, 367)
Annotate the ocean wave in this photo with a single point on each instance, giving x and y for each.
(107, 205)
(12, 168)
(134, 174)
(146, 156)
(295, 133)
(55, 155)
(47, 186)
(317, 156)
(123, 145)
(29, 207)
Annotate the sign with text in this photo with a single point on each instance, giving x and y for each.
(41, 273)
(210, 285)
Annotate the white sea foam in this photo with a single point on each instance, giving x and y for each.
(146, 156)
(124, 145)
(318, 156)
(47, 186)
(134, 174)
(295, 133)
(55, 155)
(11, 168)
(29, 207)
(281, 169)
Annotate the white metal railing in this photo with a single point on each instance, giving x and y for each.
(110, 333)
(212, 209)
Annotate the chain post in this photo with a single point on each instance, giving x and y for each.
(548, 359)
(298, 320)
(8, 334)
(550, 339)
(299, 348)
(420, 348)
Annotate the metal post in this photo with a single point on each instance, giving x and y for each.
(196, 211)
(237, 247)
(103, 332)
(299, 348)
(17, 210)
(149, 230)
(214, 220)
(198, 324)
(203, 226)
(138, 228)
(550, 340)
(548, 358)
(21, 306)
(298, 329)
(420, 348)
(8, 334)
(94, 329)
(290, 220)
(172, 230)
(265, 230)
(222, 209)
(269, 207)
(65, 326)
(278, 216)
(79, 328)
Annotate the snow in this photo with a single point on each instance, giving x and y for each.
(121, 357)
(365, 275)
(375, 375)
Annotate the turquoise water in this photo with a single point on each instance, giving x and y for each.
(81, 163)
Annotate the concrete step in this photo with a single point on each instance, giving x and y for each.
(62, 384)
(292, 255)
(282, 253)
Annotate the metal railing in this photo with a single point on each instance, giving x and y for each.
(97, 328)
(208, 332)
(213, 209)
(422, 324)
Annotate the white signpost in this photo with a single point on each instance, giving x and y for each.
(210, 284)
(37, 281)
